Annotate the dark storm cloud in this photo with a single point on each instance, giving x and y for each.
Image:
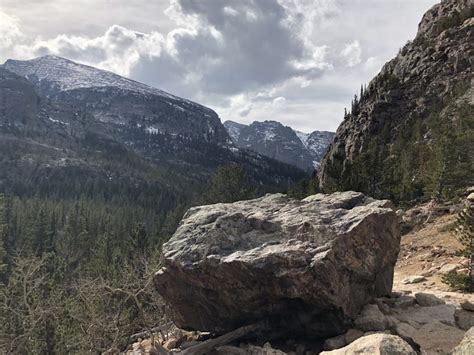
(235, 46)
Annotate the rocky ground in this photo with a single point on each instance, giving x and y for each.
(428, 252)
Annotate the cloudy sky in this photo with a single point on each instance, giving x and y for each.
(295, 61)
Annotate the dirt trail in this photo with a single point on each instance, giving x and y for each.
(430, 248)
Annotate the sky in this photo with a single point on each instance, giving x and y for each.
(295, 61)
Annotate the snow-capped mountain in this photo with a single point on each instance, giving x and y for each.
(233, 129)
(280, 142)
(68, 75)
(117, 100)
(316, 143)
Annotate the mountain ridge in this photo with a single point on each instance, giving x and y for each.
(273, 139)
(87, 126)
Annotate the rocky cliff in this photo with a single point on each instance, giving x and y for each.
(410, 134)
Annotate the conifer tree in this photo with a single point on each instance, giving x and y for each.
(465, 234)
(230, 183)
(3, 237)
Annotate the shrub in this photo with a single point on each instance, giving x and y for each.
(464, 232)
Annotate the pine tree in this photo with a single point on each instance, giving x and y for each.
(3, 237)
(138, 240)
(41, 233)
(465, 234)
(230, 183)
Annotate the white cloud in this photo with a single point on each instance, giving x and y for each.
(352, 53)
(9, 34)
(279, 101)
(118, 49)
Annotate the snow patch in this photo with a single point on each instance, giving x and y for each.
(57, 121)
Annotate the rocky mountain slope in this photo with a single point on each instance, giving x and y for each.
(410, 135)
(88, 118)
(272, 139)
(118, 100)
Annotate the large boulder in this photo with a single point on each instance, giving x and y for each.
(308, 266)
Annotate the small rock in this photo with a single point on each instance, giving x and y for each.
(448, 269)
(464, 319)
(428, 299)
(370, 319)
(335, 343)
(443, 313)
(468, 306)
(466, 347)
(352, 335)
(384, 308)
(187, 344)
(436, 337)
(413, 279)
(404, 302)
(390, 322)
(470, 197)
(427, 273)
(375, 344)
(372, 332)
(247, 349)
(406, 332)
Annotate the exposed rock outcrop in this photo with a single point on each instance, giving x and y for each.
(305, 266)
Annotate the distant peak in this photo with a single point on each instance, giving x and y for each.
(52, 57)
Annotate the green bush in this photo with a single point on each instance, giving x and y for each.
(464, 232)
(460, 282)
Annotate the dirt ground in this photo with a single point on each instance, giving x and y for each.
(430, 248)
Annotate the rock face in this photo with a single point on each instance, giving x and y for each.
(305, 266)
(419, 98)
